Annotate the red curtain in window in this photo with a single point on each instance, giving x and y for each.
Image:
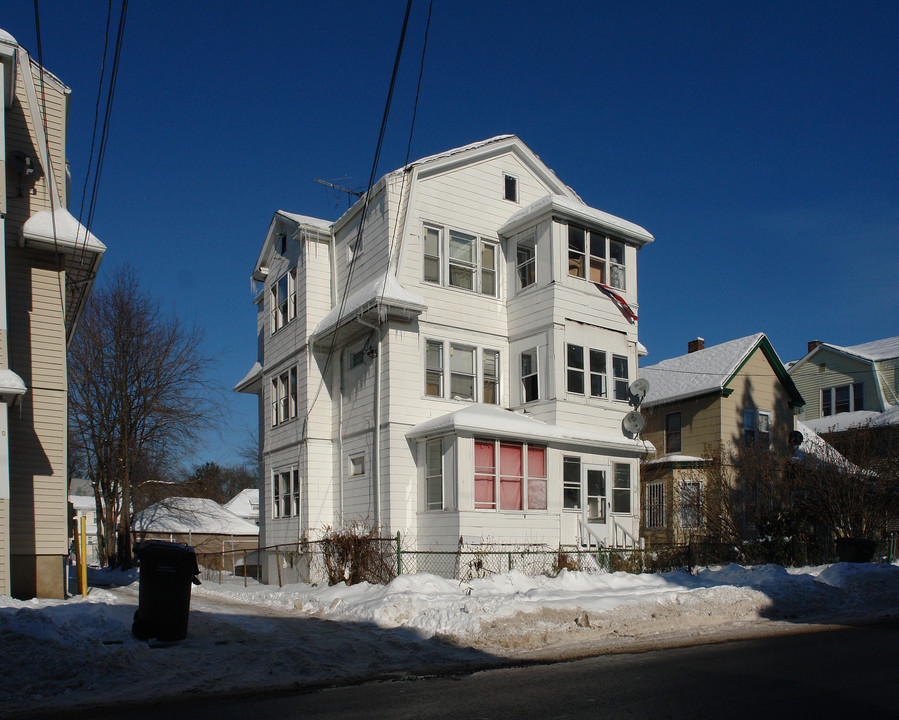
(510, 477)
(485, 476)
(536, 478)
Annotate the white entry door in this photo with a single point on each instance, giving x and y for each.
(594, 489)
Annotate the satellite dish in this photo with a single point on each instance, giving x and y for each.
(633, 422)
(638, 389)
(796, 438)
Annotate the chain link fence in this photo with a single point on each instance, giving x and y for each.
(379, 560)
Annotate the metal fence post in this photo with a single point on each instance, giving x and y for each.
(277, 562)
(399, 555)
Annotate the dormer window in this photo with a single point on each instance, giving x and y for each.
(510, 188)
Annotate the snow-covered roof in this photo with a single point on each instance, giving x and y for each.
(494, 421)
(459, 150)
(876, 350)
(194, 515)
(11, 384)
(383, 290)
(245, 503)
(675, 458)
(857, 419)
(251, 382)
(7, 38)
(571, 208)
(697, 373)
(58, 229)
(307, 220)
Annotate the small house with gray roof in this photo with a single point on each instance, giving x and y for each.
(728, 394)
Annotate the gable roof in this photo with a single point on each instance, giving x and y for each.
(710, 371)
(869, 352)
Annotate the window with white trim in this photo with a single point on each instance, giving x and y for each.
(526, 263)
(434, 368)
(510, 188)
(284, 300)
(575, 371)
(571, 483)
(594, 256)
(842, 398)
(284, 397)
(621, 376)
(461, 260)
(434, 475)
(474, 372)
(654, 506)
(285, 493)
(757, 427)
(530, 383)
(509, 476)
(621, 489)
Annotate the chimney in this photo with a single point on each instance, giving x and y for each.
(694, 345)
(812, 344)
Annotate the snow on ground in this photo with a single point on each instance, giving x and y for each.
(62, 654)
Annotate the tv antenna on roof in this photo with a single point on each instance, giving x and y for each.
(340, 188)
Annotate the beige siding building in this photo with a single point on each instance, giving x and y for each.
(47, 267)
(724, 395)
(459, 369)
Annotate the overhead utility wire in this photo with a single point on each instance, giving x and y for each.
(396, 222)
(371, 181)
(90, 161)
(48, 171)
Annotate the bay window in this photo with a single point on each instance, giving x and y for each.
(434, 475)
(284, 397)
(620, 373)
(513, 473)
(530, 385)
(595, 257)
(526, 263)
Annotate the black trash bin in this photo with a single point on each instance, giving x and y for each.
(167, 570)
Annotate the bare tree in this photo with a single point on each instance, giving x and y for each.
(138, 397)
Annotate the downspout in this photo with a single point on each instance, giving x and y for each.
(340, 467)
(376, 450)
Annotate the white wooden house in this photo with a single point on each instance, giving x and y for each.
(460, 369)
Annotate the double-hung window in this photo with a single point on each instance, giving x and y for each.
(285, 493)
(434, 475)
(757, 427)
(575, 371)
(673, 433)
(595, 257)
(571, 483)
(620, 374)
(284, 397)
(530, 384)
(470, 368)
(284, 299)
(513, 473)
(842, 398)
(621, 489)
(574, 361)
(526, 263)
(462, 372)
(471, 262)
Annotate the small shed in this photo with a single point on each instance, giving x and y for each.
(222, 539)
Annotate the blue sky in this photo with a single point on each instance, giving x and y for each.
(757, 142)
